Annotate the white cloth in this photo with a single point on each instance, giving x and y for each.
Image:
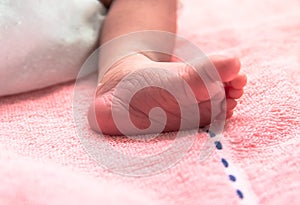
(45, 42)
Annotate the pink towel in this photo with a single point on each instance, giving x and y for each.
(42, 160)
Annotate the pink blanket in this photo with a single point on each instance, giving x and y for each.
(42, 160)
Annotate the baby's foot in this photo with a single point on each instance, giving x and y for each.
(101, 115)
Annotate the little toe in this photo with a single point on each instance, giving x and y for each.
(229, 114)
(229, 104)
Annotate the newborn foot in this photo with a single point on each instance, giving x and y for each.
(109, 96)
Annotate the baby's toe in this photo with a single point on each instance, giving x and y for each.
(238, 82)
(228, 68)
(229, 114)
(229, 104)
(235, 93)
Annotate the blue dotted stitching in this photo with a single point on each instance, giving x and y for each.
(225, 163)
(240, 194)
(232, 178)
(218, 145)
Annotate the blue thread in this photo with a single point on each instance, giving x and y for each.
(218, 145)
(240, 194)
(232, 178)
(225, 163)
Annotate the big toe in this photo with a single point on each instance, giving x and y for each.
(227, 68)
(208, 75)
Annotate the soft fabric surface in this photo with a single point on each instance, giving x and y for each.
(42, 160)
(45, 30)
